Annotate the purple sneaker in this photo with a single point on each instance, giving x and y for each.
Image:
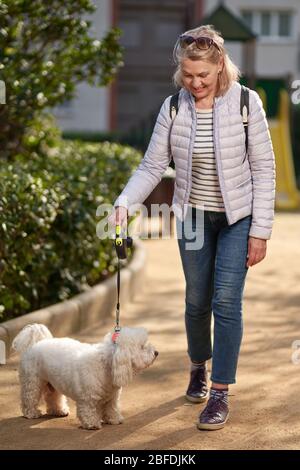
(197, 391)
(214, 415)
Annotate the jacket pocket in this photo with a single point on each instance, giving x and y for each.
(244, 182)
(245, 157)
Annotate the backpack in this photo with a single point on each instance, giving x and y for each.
(244, 108)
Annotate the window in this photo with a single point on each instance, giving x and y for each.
(270, 24)
(166, 33)
(131, 33)
(266, 24)
(284, 24)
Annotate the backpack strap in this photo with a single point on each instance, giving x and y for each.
(173, 112)
(244, 104)
(174, 105)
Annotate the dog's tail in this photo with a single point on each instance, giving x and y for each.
(29, 336)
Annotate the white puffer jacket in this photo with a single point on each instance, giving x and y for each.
(247, 182)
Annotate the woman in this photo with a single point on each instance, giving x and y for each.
(234, 193)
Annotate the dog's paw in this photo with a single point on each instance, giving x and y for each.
(59, 413)
(33, 414)
(91, 427)
(113, 420)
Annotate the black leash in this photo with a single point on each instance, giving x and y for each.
(122, 242)
(118, 296)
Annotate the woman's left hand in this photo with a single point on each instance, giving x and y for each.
(257, 249)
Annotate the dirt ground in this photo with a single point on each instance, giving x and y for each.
(264, 404)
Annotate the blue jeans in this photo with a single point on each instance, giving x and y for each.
(215, 276)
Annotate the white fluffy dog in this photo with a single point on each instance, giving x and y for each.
(90, 374)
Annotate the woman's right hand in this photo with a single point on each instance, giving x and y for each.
(119, 216)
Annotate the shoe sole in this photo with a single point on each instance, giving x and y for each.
(196, 400)
(211, 427)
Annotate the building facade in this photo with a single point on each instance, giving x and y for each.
(277, 25)
(150, 29)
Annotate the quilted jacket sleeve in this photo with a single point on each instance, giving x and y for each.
(262, 165)
(153, 165)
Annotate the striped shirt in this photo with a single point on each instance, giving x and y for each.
(205, 191)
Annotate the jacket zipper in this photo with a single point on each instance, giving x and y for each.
(190, 152)
(218, 161)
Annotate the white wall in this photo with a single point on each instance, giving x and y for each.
(90, 110)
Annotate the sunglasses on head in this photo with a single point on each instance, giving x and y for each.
(202, 42)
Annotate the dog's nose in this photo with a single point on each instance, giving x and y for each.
(156, 353)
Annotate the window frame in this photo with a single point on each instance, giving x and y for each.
(274, 36)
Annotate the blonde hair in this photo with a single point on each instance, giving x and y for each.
(229, 73)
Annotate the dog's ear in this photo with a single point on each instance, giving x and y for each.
(121, 366)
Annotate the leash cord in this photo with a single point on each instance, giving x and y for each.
(118, 301)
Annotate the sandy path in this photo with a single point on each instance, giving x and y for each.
(265, 404)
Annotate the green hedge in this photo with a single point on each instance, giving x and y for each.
(49, 250)
(88, 136)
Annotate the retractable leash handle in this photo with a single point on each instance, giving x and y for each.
(122, 242)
